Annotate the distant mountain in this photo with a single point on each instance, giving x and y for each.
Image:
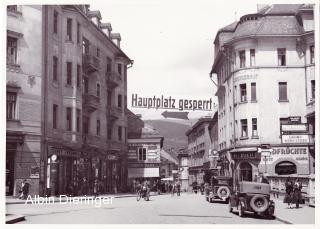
(174, 132)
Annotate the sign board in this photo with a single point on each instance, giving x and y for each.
(298, 154)
(35, 172)
(294, 119)
(294, 128)
(213, 153)
(294, 138)
(143, 165)
(244, 155)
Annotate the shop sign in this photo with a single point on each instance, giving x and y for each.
(294, 128)
(244, 155)
(143, 165)
(294, 138)
(294, 119)
(35, 172)
(298, 154)
(112, 157)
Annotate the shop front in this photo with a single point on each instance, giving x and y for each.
(71, 172)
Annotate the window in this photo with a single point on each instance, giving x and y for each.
(69, 118)
(242, 56)
(252, 57)
(245, 171)
(55, 22)
(142, 154)
(78, 119)
(69, 73)
(120, 69)
(54, 116)
(244, 128)
(253, 92)
(283, 91)
(109, 97)
(254, 127)
(281, 57)
(78, 75)
(119, 100)
(69, 29)
(85, 46)
(98, 52)
(12, 8)
(98, 90)
(11, 105)
(85, 124)
(125, 74)
(312, 54)
(98, 127)
(313, 89)
(86, 84)
(120, 133)
(12, 44)
(285, 168)
(78, 33)
(243, 92)
(55, 68)
(109, 64)
(109, 132)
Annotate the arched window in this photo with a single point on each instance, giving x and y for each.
(245, 171)
(286, 168)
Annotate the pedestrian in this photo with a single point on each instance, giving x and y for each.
(297, 193)
(96, 188)
(25, 189)
(84, 188)
(178, 186)
(289, 192)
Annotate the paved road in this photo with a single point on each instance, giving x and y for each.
(188, 208)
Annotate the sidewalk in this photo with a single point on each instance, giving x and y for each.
(303, 215)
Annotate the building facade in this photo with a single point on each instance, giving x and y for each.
(23, 102)
(144, 153)
(199, 145)
(265, 71)
(81, 97)
(183, 158)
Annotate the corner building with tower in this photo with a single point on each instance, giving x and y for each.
(264, 65)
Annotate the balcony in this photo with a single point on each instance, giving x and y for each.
(116, 146)
(113, 113)
(90, 102)
(92, 140)
(113, 79)
(91, 63)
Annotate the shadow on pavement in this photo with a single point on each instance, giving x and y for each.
(198, 216)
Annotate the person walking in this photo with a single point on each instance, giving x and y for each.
(96, 188)
(297, 193)
(25, 189)
(289, 192)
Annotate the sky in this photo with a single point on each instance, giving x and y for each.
(171, 43)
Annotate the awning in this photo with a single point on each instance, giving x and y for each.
(143, 172)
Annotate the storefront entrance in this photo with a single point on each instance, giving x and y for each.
(10, 153)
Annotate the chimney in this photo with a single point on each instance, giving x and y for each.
(116, 36)
(106, 28)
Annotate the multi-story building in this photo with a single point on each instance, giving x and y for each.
(79, 86)
(144, 153)
(199, 145)
(24, 80)
(265, 70)
(168, 165)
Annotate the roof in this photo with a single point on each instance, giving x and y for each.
(198, 123)
(272, 20)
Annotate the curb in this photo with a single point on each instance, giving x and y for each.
(11, 219)
(283, 220)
